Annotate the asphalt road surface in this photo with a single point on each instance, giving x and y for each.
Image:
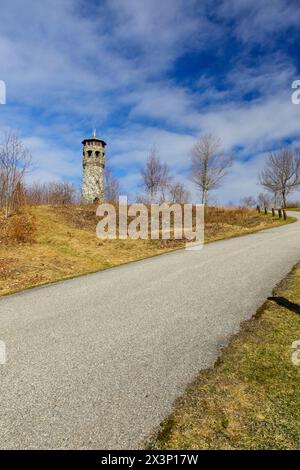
(96, 362)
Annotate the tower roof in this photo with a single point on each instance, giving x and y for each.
(94, 139)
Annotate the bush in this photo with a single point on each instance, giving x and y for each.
(19, 228)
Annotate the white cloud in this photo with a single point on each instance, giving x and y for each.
(73, 67)
(254, 124)
(133, 146)
(51, 162)
(257, 21)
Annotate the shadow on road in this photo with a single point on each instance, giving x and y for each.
(286, 303)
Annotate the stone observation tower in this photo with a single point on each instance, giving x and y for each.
(93, 170)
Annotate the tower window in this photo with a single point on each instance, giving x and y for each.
(90, 153)
(97, 153)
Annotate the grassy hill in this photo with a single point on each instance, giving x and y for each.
(46, 244)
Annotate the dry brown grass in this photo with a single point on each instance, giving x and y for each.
(20, 228)
(47, 244)
(223, 222)
(219, 222)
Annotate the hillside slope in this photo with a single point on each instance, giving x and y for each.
(65, 244)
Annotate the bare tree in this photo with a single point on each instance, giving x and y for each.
(156, 177)
(281, 173)
(112, 187)
(165, 181)
(178, 193)
(62, 193)
(209, 164)
(264, 200)
(15, 161)
(248, 201)
(56, 193)
(293, 203)
(37, 194)
(19, 196)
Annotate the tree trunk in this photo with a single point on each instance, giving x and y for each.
(204, 197)
(284, 199)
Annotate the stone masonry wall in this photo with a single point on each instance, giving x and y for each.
(93, 172)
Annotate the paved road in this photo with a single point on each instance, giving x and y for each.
(96, 362)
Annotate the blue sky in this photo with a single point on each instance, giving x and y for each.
(150, 73)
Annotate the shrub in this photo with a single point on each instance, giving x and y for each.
(19, 228)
